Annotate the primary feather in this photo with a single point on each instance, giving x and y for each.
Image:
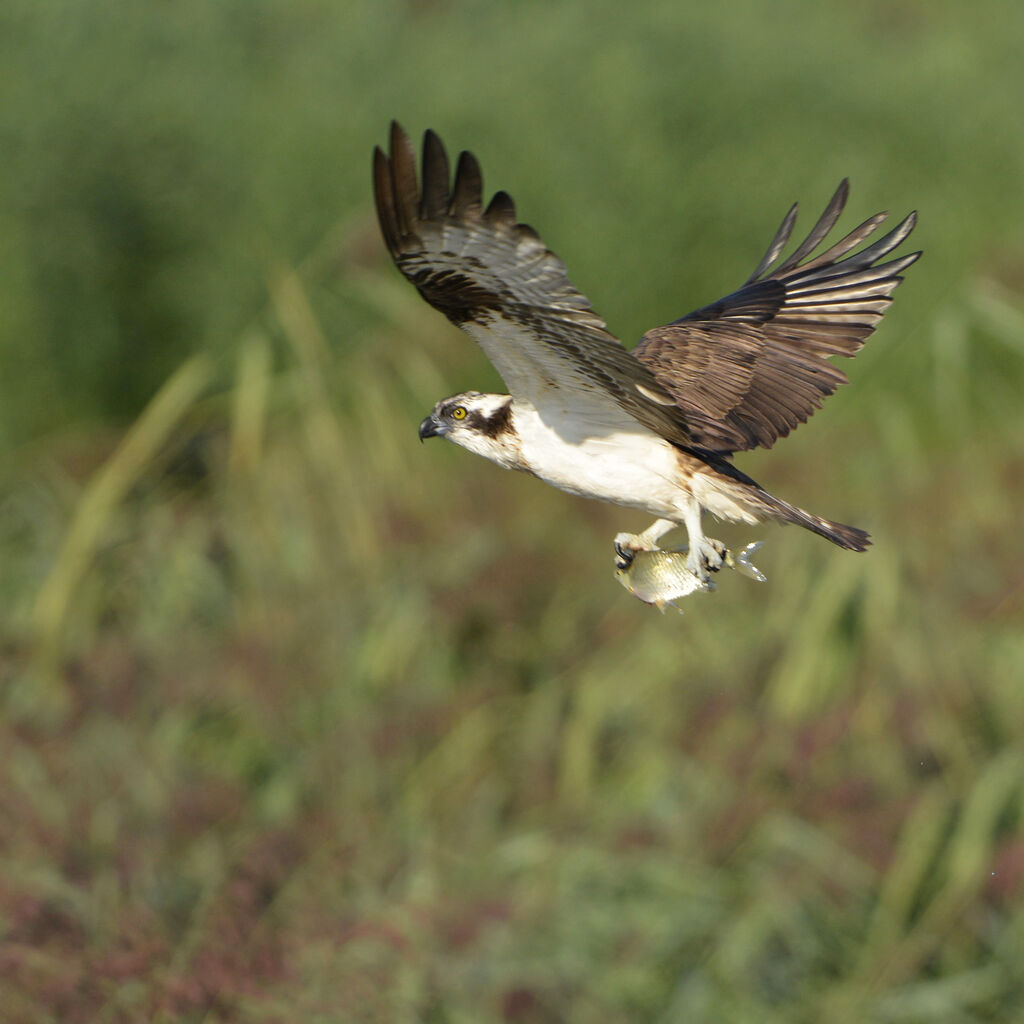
(495, 278)
(749, 368)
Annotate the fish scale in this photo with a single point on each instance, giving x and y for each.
(660, 577)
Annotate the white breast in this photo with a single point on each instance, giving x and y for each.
(624, 464)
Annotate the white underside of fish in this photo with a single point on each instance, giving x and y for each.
(660, 577)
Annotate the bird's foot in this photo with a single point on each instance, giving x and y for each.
(626, 550)
(705, 557)
(628, 545)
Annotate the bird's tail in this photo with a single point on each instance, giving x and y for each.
(848, 537)
(754, 496)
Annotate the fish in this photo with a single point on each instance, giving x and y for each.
(660, 576)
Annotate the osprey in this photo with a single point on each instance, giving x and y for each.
(652, 428)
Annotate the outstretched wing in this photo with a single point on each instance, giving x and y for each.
(749, 368)
(497, 280)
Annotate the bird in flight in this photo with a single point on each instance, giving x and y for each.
(652, 428)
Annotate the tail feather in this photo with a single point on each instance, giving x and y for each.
(752, 493)
(849, 537)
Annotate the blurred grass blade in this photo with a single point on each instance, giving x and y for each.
(1004, 319)
(327, 447)
(966, 862)
(920, 841)
(809, 665)
(102, 496)
(971, 846)
(950, 366)
(249, 408)
(303, 330)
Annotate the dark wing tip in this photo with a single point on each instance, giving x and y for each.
(501, 210)
(436, 177)
(467, 196)
(397, 135)
(405, 187)
(835, 207)
(778, 243)
(824, 225)
(384, 197)
(403, 202)
(908, 225)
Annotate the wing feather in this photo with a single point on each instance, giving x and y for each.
(436, 177)
(738, 373)
(495, 278)
(467, 195)
(403, 171)
(748, 369)
(825, 224)
(777, 245)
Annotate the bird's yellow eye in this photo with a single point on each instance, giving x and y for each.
(459, 412)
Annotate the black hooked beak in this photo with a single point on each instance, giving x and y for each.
(429, 428)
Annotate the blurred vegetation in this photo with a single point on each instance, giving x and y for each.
(302, 721)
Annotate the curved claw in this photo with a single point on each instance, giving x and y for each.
(623, 555)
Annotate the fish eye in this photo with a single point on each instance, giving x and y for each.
(459, 412)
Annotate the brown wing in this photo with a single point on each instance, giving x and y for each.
(495, 278)
(749, 368)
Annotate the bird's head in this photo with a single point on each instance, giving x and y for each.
(479, 423)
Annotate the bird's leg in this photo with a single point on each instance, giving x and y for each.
(628, 544)
(705, 554)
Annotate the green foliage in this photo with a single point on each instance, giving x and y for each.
(304, 721)
(160, 157)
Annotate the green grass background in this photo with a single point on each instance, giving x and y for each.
(302, 721)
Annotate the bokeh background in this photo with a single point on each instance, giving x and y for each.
(302, 721)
